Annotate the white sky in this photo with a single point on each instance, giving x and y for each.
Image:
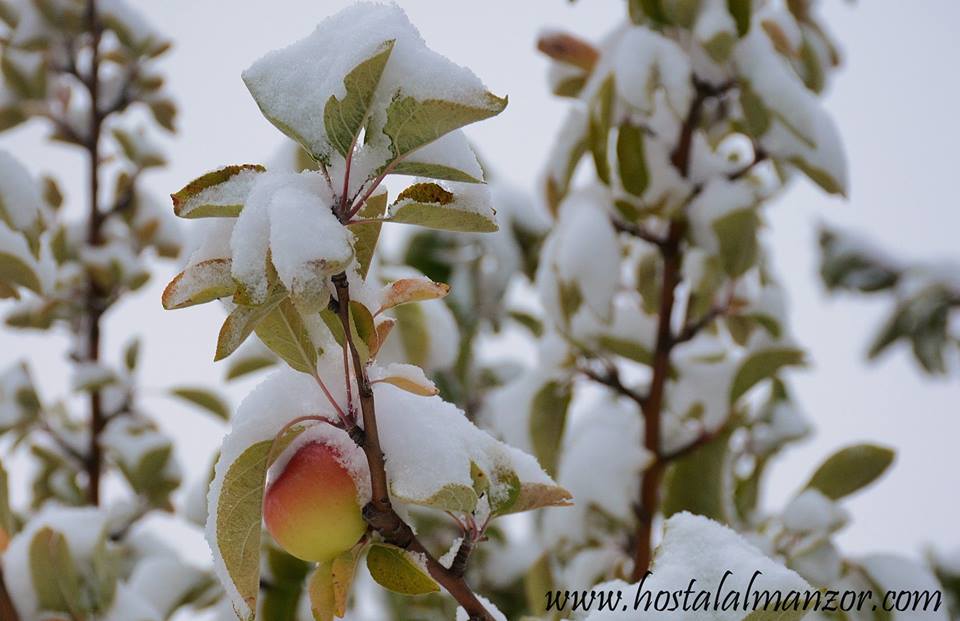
(895, 106)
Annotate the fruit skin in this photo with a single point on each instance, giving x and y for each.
(311, 509)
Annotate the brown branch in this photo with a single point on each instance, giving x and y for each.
(8, 611)
(672, 254)
(379, 512)
(638, 231)
(94, 302)
(612, 380)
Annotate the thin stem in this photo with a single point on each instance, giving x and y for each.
(379, 512)
(357, 206)
(94, 301)
(329, 396)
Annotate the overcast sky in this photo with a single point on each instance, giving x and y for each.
(894, 103)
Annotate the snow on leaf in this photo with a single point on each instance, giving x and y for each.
(450, 206)
(450, 158)
(344, 118)
(217, 194)
(399, 570)
(200, 283)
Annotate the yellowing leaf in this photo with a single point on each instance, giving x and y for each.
(320, 590)
(408, 290)
(240, 324)
(399, 571)
(367, 234)
(15, 271)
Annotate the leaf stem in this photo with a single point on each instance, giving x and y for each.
(379, 512)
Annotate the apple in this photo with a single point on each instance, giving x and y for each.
(311, 508)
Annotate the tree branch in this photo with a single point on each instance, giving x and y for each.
(94, 306)
(379, 512)
(672, 254)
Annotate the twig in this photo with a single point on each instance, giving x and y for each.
(612, 380)
(638, 231)
(379, 512)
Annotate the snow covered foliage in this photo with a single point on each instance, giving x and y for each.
(70, 552)
(926, 297)
(291, 252)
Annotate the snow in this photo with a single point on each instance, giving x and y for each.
(600, 464)
(452, 150)
(719, 198)
(494, 612)
(87, 374)
(292, 85)
(20, 201)
(307, 242)
(83, 528)
(133, 21)
(232, 192)
(164, 582)
(469, 197)
(785, 424)
(812, 512)
(801, 129)
(288, 215)
(130, 439)
(644, 60)
(584, 250)
(696, 547)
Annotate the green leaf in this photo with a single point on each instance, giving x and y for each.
(412, 124)
(200, 283)
(204, 398)
(628, 349)
(367, 234)
(241, 367)
(601, 118)
(433, 206)
(217, 194)
(343, 119)
(399, 571)
(432, 170)
(414, 333)
(131, 354)
(755, 113)
(454, 497)
(285, 333)
(737, 234)
(14, 270)
(760, 365)
(697, 482)
(548, 415)
(536, 582)
(741, 11)
(240, 324)
(631, 160)
(239, 517)
(55, 577)
(851, 469)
